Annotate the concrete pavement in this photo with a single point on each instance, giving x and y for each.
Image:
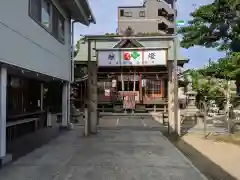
(144, 121)
(109, 155)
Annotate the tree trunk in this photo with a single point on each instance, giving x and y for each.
(227, 108)
(205, 118)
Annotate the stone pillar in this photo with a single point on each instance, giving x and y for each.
(3, 97)
(49, 119)
(171, 118)
(92, 101)
(154, 108)
(65, 104)
(69, 102)
(86, 132)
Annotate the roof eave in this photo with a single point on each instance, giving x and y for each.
(181, 62)
(92, 17)
(129, 49)
(119, 37)
(86, 12)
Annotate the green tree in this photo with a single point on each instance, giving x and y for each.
(225, 68)
(78, 46)
(215, 25)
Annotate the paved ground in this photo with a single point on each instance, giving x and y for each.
(110, 155)
(137, 121)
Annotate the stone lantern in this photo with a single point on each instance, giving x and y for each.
(191, 108)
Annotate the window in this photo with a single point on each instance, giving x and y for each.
(171, 17)
(142, 14)
(48, 16)
(34, 10)
(153, 87)
(159, 12)
(128, 14)
(121, 12)
(162, 12)
(170, 31)
(162, 27)
(58, 25)
(61, 28)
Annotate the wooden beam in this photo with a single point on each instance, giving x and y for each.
(142, 72)
(66, 3)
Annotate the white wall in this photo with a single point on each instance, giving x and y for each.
(26, 44)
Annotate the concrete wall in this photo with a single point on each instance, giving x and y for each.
(149, 26)
(26, 44)
(150, 22)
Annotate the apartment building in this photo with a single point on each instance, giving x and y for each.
(154, 16)
(35, 59)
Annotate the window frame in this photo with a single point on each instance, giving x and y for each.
(60, 17)
(49, 28)
(142, 14)
(159, 25)
(128, 14)
(153, 86)
(159, 12)
(121, 12)
(38, 20)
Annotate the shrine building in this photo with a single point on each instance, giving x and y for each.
(130, 74)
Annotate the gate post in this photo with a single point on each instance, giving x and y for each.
(93, 104)
(171, 116)
(92, 92)
(86, 128)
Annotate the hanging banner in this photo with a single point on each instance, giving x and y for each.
(107, 92)
(132, 58)
(129, 102)
(144, 82)
(114, 83)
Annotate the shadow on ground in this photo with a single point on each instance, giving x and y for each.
(211, 170)
(28, 143)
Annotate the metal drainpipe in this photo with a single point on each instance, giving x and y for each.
(72, 50)
(71, 68)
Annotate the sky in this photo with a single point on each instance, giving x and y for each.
(105, 13)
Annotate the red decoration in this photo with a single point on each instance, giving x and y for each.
(127, 56)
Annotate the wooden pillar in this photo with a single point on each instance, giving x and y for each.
(140, 88)
(42, 94)
(134, 88)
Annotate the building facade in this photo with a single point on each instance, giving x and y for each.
(154, 16)
(35, 54)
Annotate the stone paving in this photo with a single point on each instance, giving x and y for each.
(109, 155)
